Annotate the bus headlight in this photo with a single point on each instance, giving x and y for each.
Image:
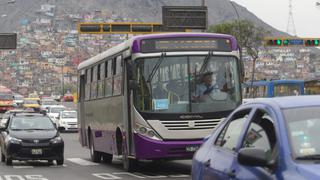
(143, 130)
(148, 132)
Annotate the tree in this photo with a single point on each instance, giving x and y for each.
(69, 87)
(249, 37)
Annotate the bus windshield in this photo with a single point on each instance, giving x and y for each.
(186, 84)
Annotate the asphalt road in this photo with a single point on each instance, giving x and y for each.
(77, 165)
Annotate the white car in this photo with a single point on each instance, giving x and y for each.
(46, 103)
(54, 111)
(68, 121)
(18, 99)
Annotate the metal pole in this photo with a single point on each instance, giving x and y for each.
(203, 3)
(62, 80)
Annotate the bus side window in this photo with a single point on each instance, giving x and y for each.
(117, 79)
(101, 75)
(108, 78)
(88, 81)
(94, 78)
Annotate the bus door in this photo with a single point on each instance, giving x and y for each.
(82, 115)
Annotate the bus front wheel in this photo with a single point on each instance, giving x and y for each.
(95, 155)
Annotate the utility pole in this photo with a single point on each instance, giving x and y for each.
(291, 28)
(62, 79)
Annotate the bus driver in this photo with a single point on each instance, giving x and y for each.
(207, 91)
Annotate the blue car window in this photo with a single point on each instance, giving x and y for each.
(261, 134)
(229, 136)
(256, 137)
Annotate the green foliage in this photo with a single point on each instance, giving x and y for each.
(249, 36)
(72, 88)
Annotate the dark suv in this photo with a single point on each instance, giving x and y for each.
(30, 136)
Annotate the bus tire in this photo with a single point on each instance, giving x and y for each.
(107, 158)
(3, 158)
(95, 155)
(128, 163)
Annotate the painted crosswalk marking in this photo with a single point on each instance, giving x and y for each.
(128, 174)
(22, 167)
(82, 162)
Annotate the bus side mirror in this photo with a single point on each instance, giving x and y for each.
(242, 74)
(133, 85)
(241, 68)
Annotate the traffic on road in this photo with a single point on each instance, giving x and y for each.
(170, 89)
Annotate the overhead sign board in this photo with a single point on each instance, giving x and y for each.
(186, 17)
(119, 28)
(8, 41)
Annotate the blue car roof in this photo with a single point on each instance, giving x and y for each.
(289, 101)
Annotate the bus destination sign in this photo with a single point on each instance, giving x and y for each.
(185, 17)
(8, 41)
(185, 44)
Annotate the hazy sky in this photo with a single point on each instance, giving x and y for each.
(275, 12)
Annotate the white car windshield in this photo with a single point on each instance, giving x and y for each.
(69, 114)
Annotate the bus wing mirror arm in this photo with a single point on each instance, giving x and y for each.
(133, 84)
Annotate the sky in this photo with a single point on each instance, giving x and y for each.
(306, 14)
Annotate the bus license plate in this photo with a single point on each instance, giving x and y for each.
(36, 151)
(192, 148)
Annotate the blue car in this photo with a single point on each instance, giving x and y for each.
(274, 138)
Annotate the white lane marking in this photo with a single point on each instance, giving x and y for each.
(179, 176)
(156, 176)
(106, 176)
(22, 167)
(129, 174)
(82, 162)
(56, 166)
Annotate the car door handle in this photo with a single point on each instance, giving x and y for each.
(231, 173)
(207, 163)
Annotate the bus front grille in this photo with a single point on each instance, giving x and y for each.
(191, 124)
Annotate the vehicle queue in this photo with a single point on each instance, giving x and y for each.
(32, 131)
(255, 140)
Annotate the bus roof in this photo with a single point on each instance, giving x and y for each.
(134, 44)
(265, 83)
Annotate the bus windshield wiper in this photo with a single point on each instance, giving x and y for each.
(309, 157)
(205, 62)
(156, 67)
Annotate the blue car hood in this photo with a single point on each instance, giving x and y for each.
(309, 171)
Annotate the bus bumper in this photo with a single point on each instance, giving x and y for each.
(146, 148)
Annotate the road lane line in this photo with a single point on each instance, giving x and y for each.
(179, 176)
(22, 167)
(129, 174)
(156, 176)
(82, 162)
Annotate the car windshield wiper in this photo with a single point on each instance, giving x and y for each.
(37, 129)
(156, 67)
(309, 157)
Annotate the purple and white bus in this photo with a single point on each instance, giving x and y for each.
(140, 98)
